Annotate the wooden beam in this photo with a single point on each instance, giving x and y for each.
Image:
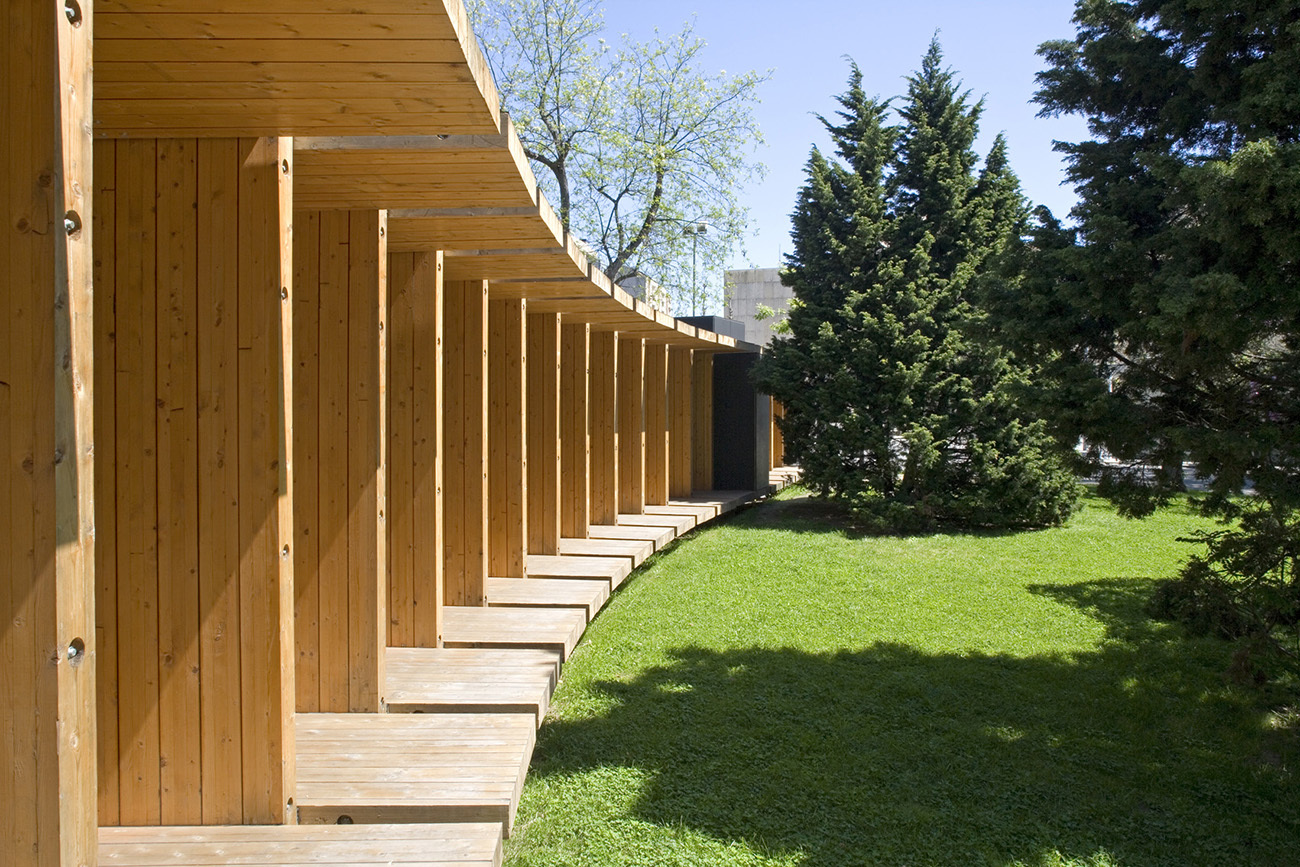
(507, 439)
(575, 437)
(702, 421)
(680, 396)
(603, 421)
(415, 413)
(47, 468)
(465, 474)
(544, 433)
(631, 425)
(656, 424)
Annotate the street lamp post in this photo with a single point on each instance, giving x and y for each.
(695, 230)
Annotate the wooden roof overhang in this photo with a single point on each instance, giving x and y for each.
(223, 68)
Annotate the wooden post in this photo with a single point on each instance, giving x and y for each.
(631, 425)
(575, 437)
(656, 424)
(415, 418)
(603, 421)
(47, 642)
(544, 433)
(465, 473)
(680, 441)
(340, 559)
(778, 437)
(507, 439)
(702, 421)
(194, 583)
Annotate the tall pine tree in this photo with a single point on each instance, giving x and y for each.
(893, 404)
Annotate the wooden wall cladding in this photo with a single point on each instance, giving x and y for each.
(507, 439)
(680, 439)
(603, 423)
(543, 401)
(631, 425)
(575, 431)
(656, 424)
(465, 471)
(415, 420)
(702, 421)
(193, 512)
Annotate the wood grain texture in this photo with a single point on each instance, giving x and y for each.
(575, 457)
(656, 424)
(680, 398)
(507, 439)
(631, 424)
(603, 422)
(465, 472)
(702, 421)
(543, 429)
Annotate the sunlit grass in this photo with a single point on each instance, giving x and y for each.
(782, 690)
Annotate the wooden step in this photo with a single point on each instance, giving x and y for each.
(658, 536)
(555, 629)
(589, 596)
(702, 514)
(402, 767)
(470, 680)
(611, 569)
(726, 501)
(460, 844)
(680, 523)
(635, 550)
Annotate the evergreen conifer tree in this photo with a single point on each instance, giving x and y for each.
(893, 404)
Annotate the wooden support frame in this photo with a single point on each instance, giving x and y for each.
(543, 432)
(631, 425)
(195, 383)
(656, 424)
(340, 388)
(777, 440)
(680, 439)
(603, 422)
(465, 428)
(415, 424)
(507, 439)
(575, 435)
(702, 421)
(47, 466)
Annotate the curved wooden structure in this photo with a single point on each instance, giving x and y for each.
(340, 371)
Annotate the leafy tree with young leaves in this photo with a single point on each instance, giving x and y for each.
(634, 143)
(1168, 316)
(893, 402)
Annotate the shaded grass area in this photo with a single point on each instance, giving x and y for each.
(781, 689)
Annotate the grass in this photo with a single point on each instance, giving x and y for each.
(781, 690)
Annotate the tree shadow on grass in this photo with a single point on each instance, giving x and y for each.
(1135, 754)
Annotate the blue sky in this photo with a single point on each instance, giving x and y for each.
(990, 43)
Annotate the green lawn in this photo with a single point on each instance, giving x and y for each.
(781, 690)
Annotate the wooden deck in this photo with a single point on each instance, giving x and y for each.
(679, 523)
(554, 629)
(460, 844)
(611, 569)
(589, 596)
(400, 767)
(470, 680)
(658, 536)
(634, 549)
(702, 513)
(726, 501)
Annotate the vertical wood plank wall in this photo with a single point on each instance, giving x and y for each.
(656, 424)
(415, 487)
(603, 424)
(680, 440)
(702, 421)
(778, 437)
(631, 425)
(465, 473)
(193, 595)
(340, 557)
(507, 439)
(47, 701)
(575, 433)
(543, 426)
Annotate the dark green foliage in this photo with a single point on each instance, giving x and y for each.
(892, 403)
(1167, 318)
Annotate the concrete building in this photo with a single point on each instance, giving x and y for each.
(745, 290)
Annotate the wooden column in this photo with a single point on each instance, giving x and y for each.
(340, 559)
(778, 438)
(656, 424)
(465, 467)
(195, 507)
(680, 441)
(507, 439)
(603, 422)
(415, 419)
(47, 466)
(702, 421)
(544, 433)
(575, 436)
(631, 425)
